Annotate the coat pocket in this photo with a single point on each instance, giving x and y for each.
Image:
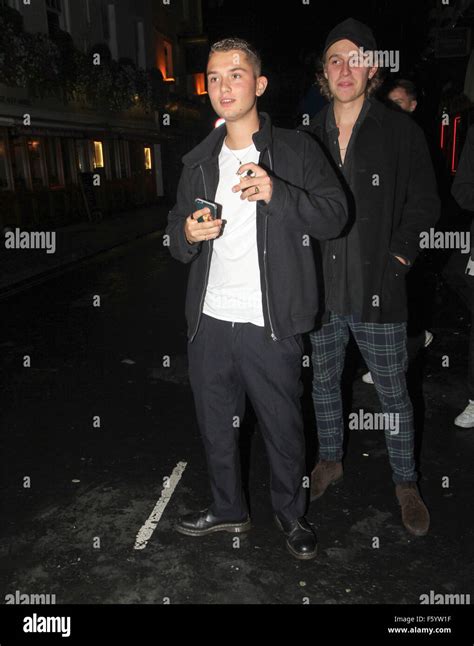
(393, 285)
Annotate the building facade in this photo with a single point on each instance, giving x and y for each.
(96, 95)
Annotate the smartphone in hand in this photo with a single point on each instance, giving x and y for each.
(203, 204)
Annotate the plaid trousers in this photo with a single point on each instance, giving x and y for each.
(383, 346)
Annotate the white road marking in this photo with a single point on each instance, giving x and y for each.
(152, 521)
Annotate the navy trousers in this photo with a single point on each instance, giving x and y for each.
(226, 361)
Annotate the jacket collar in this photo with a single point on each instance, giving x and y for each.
(376, 112)
(330, 121)
(211, 146)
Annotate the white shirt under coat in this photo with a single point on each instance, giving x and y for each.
(233, 290)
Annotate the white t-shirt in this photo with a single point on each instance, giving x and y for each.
(233, 291)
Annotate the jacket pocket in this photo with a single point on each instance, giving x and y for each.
(393, 285)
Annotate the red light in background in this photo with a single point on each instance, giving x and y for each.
(453, 158)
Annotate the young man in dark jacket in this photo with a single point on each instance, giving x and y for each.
(383, 159)
(251, 290)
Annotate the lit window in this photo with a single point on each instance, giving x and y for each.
(148, 165)
(98, 155)
(200, 84)
(165, 59)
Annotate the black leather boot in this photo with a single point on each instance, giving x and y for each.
(301, 540)
(203, 522)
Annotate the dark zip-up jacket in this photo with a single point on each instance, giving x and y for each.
(307, 200)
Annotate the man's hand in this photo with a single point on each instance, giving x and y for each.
(200, 231)
(257, 186)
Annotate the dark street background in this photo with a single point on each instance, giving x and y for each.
(148, 427)
(77, 497)
(290, 36)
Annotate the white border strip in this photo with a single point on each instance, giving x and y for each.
(146, 531)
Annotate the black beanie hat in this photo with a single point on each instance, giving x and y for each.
(354, 31)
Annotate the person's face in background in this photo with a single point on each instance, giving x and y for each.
(399, 96)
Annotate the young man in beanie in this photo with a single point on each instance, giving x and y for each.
(383, 159)
(252, 289)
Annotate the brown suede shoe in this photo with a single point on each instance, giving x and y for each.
(415, 515)
(326, 472)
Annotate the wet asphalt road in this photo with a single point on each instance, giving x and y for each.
(90, 482)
